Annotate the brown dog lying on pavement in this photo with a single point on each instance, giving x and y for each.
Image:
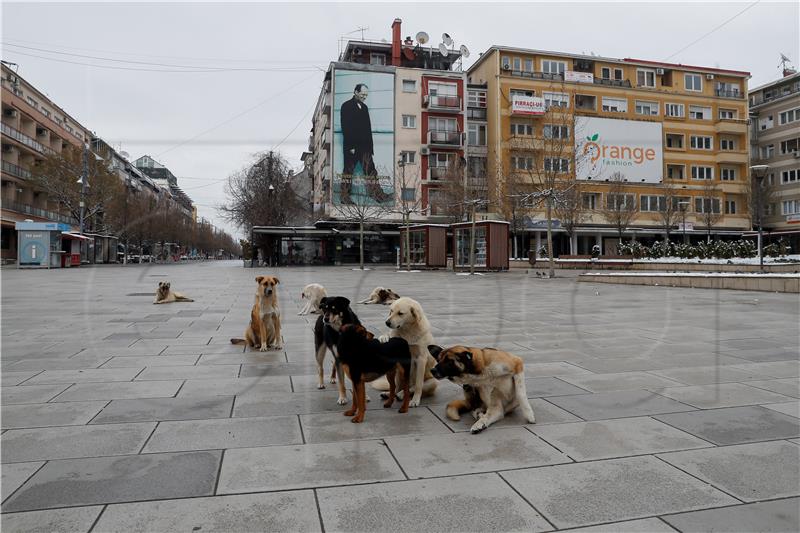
(381, 295)
(165, 295)
(365, 359)
(264, 329)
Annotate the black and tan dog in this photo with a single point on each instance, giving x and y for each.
(165, 295)
(493, 382)
(365, 359)
(264, 329)
(381, 295)
(336, 313)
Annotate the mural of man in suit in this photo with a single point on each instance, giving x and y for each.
(358, 147)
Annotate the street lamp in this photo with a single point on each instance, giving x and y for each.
(682, 206)
(759, 172)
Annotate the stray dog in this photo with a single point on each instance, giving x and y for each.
(408, 321)
(365, 359)
(381, 295)
(493, 382)
(336, 313)
(312, 293)
(264, 329)
(165, 295)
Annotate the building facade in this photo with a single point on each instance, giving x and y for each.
(674, 135)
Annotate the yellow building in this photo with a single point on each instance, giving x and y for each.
(674, 137)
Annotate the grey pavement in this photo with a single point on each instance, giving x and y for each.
(658, 409)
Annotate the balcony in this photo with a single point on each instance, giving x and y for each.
(612, 83)
(24, 139)
(15, 170)
(476, 113)
(37, 212)
(736, 126)
(525, 142)
(437, 173)
(445, 139)
(534, 75)
(442, 103)
(732, 157)
(729, 93)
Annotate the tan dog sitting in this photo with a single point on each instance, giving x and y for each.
(264, 329)
(165, 295)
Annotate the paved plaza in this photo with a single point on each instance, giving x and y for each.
(658, 409)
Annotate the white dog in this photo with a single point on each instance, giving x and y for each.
(381, 295)
(408, 321)
(312, 293)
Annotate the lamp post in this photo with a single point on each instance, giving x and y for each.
(759, 172)
(682, 206)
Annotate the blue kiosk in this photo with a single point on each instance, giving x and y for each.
(39, 244)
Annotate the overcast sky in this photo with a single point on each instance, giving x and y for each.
(261, 64)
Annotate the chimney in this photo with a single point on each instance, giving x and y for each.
(788, 72)
(396, 42)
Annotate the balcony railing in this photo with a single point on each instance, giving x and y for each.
(535, 75)
(15, 170)
(437, 173)
(446, 138)
(476, 113)
(24, 139)
(36, 211)
(442, 102)
(728, 93)
(612, 83)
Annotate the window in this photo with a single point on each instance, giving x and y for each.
(730, 207)
(618, 202)
(519, 128)
(553, 67)
(605, 73)
(681, 203)
(517, 64)
(409, 158)
(646, 108)
(440, 159)
(727, 144)
(437, 88)
(33, 102)
(476, 168)
(787, 147)
(556, 164)
(767, 151)
(675, 172)
(519, 92)
(409, 86)
(727, 174)
(586, 102)
(765, 123)
(442, 124)
(408, 194)
(673, 110)
(791, 207)
(727, 89)
(699, 112)
(790, 176)
(555, 99)
(702, 173)
(674, 140)
(653, 203)
(618, 74)
(476, 134)
(615, 105)
(45, 112)
(555, 132)
(707, 205)
(645, 78)
(476, 98)
(528, 66)
(789, 116)
(700, 142)
(377, 59)
(590, 200)
(727, 114)
(693, 82)
(409, 121)
(521, 162)
(505, 63)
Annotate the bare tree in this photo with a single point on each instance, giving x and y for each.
(620, 208)
(759, 198)
(362, 209)
(669, 213)
(408, 205)
(710, 211)
(569, 209)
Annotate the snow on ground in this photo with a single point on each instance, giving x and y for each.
(789, 259)
(695, 274)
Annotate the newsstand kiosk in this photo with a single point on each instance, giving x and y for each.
(39, 244)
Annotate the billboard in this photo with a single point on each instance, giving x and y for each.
(363, 137)
(605, 146)
(578, 77)
(527, 105)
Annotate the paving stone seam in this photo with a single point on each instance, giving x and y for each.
(179, 389)
(727, 506)
(440, 419)
(291, 384)
(709, 483)
(765, 389)
(28, 379)
(96, 520)
(518, 493)
(530, 430)
(26, 480)
(389, 449)
(319, 511)
(299, 424)
(219, 472)
(138, 373)
(144, 444)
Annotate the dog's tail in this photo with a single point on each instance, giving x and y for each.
(238, 341)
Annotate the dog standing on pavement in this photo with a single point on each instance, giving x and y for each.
(165, 295)
(381, 295)
(493, 382)
(264, 329)
(312, 294)
(336, 313)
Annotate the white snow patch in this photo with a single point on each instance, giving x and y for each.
(695, 274)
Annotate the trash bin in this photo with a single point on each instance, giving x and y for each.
(66, 260)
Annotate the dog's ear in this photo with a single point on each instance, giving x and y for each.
(414, 312)
(167, 285)
(434, 350)
(275, 280)
(259, 279)
(344, 300)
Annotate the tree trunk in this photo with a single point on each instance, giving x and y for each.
(552, 272)
(472, 243)
(407, 243)
(361, 244)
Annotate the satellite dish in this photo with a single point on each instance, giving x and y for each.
(447, 39)
(464, 51)
(422, 37)
(443, 50)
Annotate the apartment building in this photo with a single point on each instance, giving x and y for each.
(775, 141)
(165, 179)
(673, 134)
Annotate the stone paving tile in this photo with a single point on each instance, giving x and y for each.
(647, 525)
(464, 453)
(150, 361)
(788, 408)
(619, 404)
(266, 402)
(311, 465)
(30, 393)
(247, 513)
(550, 386)
(69, 442)
(246, 358)
(721, 395)
(56, 363)
(150, 409)
(49, 414)
(74, 520)
(234, 386)
(735, 425)
(224, 434)
(560, 368)
(606, 439)
(750, 472)
(75, 482)
(278, 369)
(787, 386)
(84, 376)
(119, 390)
(778, 370)
(619, 381)
(481, 502)
(705, 375)
(189, 372)
(780, 516)
(546, 413)
(10, 379)
(331, 427)
(14, 475)
(612, 490)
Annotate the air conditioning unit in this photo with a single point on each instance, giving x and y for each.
(506, 67)
(796, 155)
(8, 149)
(659, 71)
(10, 113)
(426, 100)
(357, 51)
(424, 151)
(709, 76)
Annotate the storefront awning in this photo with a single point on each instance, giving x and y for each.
(75, 236)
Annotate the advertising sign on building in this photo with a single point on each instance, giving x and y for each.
(605, 146)
(527, 105)
(578, 77)
(363, 137)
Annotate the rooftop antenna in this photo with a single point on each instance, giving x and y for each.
(443, 49)
(464, 51)
(784, 61)
(422, 37)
